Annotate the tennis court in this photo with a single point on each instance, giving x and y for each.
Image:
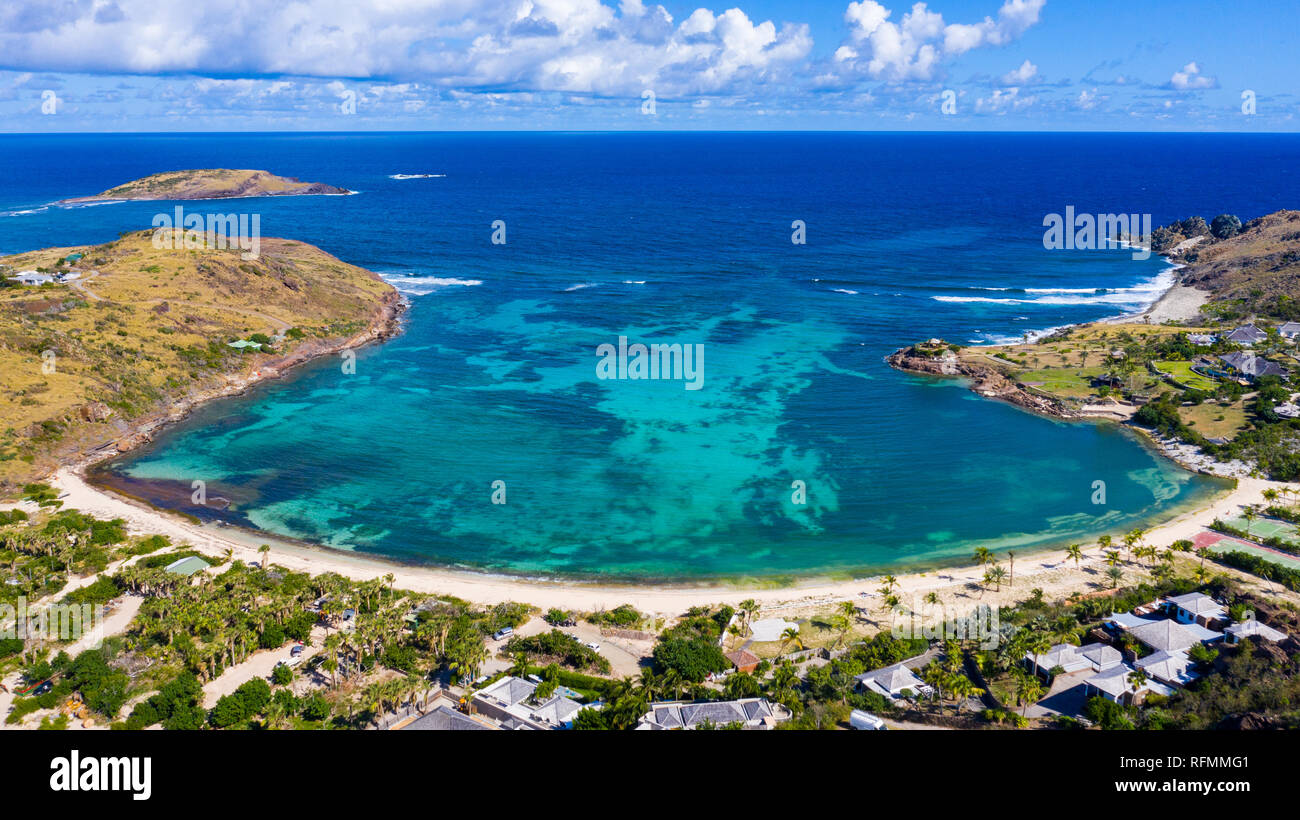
(1265, 528)
(1214, 542)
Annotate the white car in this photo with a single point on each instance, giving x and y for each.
(593, 646)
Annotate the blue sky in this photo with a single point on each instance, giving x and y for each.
(241, 65)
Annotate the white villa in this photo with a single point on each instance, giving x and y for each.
(1114, 685)
(1196, 608)
(749, 713)
(1253, 629)
(1069, 658)
(893, 681)
(508, 703)
(1172, 668)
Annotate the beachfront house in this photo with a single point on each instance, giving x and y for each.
(1114, 685)
(1171, 636)
(1251, 367)
(897, 681)
(187, 567)
(509, 702)
(1196, 608)
(1254, 630)
(748, 713)
(1066, 658)
(1247, 336)
(743, 660)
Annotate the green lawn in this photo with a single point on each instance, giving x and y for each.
(1182, 371)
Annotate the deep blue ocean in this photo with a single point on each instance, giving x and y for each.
(685, 238)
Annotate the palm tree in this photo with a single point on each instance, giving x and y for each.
(1250, 514)
(1011, 577)
(1038, 643)
(1104, 543)
(983, 555)
(932, 598)
(842, 623)
(1115, 574)
(790, 636)
(265, 551)
(1137, 678)
(1075, 552)
(995, 575)
(849, 610)
(748, 608)
(960, 688)
(1028, 690)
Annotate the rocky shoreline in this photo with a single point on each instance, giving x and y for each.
(985, 380)
(384, 325)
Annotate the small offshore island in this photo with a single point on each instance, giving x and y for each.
(1190, 624)
(210, 183)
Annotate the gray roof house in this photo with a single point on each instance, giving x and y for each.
(1171, 636)
(1095, 656)
(32, 278)
(1114, 685)
(1173, 668)
(507, 701)
(1251, 628)
(892, 681)
(1196, 607)
(1202, 339)
(1289, 330)
(751, 713)
(1252, 366)
(1247, 335)
(446, 719)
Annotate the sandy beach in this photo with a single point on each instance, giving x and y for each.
(1051, 570)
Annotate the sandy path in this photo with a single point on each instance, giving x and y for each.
(258, 665)
(1049, 569)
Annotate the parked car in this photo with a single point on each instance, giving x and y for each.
(593, 646)
(502, 634)
(866, 721)
(296, 651)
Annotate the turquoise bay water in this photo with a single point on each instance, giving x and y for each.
(676, 238)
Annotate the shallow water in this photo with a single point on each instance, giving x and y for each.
(677, 238)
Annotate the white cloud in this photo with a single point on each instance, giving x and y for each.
(582, 46)
(1003, 100)
(1014, 19)
(1191, 79)
(913, 48)
(1020, 76)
